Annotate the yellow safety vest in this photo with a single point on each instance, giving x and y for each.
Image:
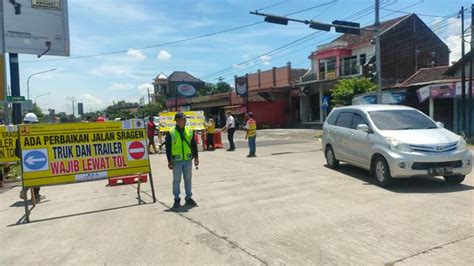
(211, 127)
(181, 149)
(252, 128)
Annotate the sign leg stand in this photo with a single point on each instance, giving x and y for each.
(152, 188)
(27, 211)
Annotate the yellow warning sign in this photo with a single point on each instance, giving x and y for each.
(77, 152)
(8, 142)
(195, 120)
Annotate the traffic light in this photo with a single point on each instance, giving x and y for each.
(276, 20)
(319, 26)
(345, 29)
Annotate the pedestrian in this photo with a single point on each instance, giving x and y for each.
(31, 118)
(150, 129)
(211, 130)
(181, 149)
(251, 134)
(230, 128)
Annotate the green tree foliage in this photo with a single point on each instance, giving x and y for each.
(37, 111)
(122, 109)
(346, 89)
(210, 88)
(151, 109)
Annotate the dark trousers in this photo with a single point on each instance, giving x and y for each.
(230, 137)
(210, 141)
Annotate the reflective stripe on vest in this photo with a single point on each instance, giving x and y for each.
(180, 150)
(252, 129)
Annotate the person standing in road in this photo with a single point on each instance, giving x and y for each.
(181, 149)
(230, 128)
(150, 129)
(211, 130)
(251, 134)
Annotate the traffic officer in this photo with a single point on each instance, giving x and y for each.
(181, 149)
(211, 130)
(251, 134)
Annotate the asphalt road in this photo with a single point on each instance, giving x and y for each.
(283, 207)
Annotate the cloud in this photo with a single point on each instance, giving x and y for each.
(121, 86)
(265, 59)
(91, 101)
(137, 54)
(114, 70)
(164, 55)
(143, 88)
(452, 32)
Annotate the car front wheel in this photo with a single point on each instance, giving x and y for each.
(331, 160)
(381, 172)
(454, 179)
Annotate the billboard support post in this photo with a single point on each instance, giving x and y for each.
(15, 87)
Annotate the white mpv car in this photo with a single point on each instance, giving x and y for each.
(394, 142)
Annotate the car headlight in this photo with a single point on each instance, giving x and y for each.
(398, 146)
(461, 144)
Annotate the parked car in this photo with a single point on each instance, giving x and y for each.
(394, 142)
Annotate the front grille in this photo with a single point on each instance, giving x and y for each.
(435, 148)
(426, 166)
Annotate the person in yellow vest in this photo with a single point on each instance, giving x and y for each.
(251, 134)
(181, 149)
(211, 130)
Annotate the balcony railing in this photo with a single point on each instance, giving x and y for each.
(331, 74)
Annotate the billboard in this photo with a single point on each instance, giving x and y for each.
(77, 152)
(8, 142)
(241, 85)
(34, 26)
(195, 120)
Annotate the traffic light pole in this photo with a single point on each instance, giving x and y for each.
(463, 76)
(378, 60)
(15, 86)
(470, 126)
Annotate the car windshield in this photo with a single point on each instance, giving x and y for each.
(401, 120)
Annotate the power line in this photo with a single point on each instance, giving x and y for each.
(418, 14)
(174, 42)
(360, 13)
(273, 5)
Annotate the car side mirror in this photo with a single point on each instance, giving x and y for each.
(363, 128)
(439, 124)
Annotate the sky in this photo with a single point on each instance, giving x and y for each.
(130, 25)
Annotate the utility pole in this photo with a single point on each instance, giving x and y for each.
(148, 90)
(378, 61)
(469, 131)
(463, 74)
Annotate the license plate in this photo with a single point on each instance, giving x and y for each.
(440, 171)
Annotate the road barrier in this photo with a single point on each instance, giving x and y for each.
(8, 144)
(55, 154)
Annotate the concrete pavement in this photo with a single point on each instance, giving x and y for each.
(284, 206)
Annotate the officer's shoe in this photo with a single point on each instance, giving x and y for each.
(177, 204)
(190, 203)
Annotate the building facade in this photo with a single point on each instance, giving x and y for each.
(407, 44)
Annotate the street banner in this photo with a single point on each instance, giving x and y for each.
(195, 120)
(55, 154)
(8, 142)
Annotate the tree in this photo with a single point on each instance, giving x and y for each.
(121, 109)
(151, 109)
(346, 89)
(37, 111)
(211, 88)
